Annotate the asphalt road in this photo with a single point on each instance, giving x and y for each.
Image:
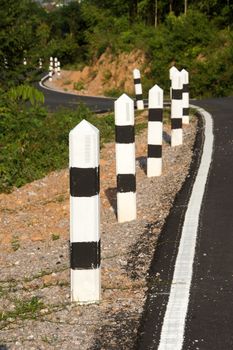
(209, 319)
(55, 100)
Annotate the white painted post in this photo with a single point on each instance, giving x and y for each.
(24, 61)
(138, 89)
(51, 61)
(185, 96)
(40, 63)
(58, 68)
(173, 70)
(176, 110)
(155, 132)
(84, 214)
(50, 72)
(55, 65)
(125, 158)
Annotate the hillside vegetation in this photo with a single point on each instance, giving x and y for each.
(198, 38)
(33, 142)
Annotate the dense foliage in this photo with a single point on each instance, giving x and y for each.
(196, 35)
(34, 142)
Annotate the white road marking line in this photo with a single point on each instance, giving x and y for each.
(172, 334)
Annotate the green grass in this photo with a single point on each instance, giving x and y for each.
(79, 85)
(24, 309)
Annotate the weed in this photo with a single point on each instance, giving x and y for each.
(114, 92)
(55, 237)
(24, 309)
(107, 76)
(79, 85)
(15, 244)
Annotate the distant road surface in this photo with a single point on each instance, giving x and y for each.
(55, 100)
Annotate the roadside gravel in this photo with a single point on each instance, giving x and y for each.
(35, 308)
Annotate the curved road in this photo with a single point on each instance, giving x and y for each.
(208, 316)
(55, 100)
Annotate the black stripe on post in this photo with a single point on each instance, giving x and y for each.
(126, 183)
(185, 87)
(154, 151)
(185, 111)
(84, 255)
(124, 133)
(155, 115)
(139, 97)
(137, 81)
(84, 182)
(177, 94)
(176, 123)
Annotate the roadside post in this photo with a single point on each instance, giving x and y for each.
(125, 158)
(84, 213)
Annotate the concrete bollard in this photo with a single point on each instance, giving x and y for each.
(185, 96)
(58, 68)
(138, 89)
(125, 158)
(155, 132)
(84, 214)
(173, 70)
(55, 65)
(176, 110)
(50, 72)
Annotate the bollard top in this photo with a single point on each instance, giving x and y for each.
(185, 76)
(155, 97)
(84, 145)
(124, 110)
(177, 81)
(136, 73)
(173, 70)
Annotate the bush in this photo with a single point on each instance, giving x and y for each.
(33, 143)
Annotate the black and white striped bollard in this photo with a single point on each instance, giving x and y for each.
(155, 132)
(125, 158)
(84, 213)
(138, 89)
(40, 63)
(185, 96)
(173, 70)
(58, 68)
(55, 65)
(176, 110)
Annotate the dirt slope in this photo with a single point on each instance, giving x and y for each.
(108, 74)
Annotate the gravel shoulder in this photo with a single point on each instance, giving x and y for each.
(35, 308)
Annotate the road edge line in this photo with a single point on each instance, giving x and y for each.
(172, 333)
